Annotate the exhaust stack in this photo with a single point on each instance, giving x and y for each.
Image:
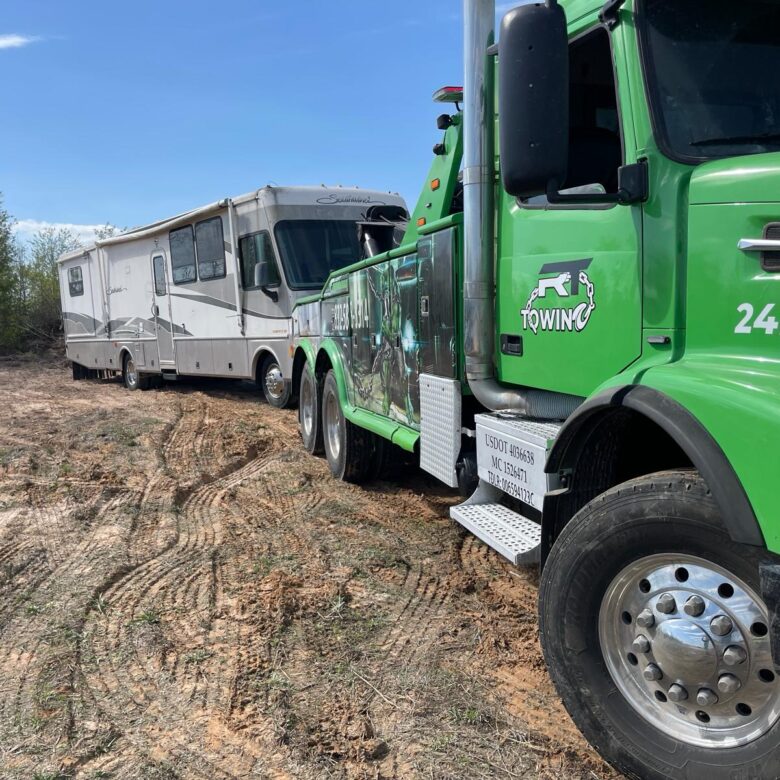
(479, 231)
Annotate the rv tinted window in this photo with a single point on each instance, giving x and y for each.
(182, 255)
(312, 248)
(211, 249)
(258, 250)
(159, 275)
(75, 281)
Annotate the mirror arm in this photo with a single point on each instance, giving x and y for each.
(272, 294)
(633, 187)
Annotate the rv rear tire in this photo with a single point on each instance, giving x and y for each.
(277, 390)
(350, 450)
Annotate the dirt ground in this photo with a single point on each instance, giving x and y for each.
(185, 593)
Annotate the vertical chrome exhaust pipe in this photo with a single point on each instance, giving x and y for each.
(479, 290)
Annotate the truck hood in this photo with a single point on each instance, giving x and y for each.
(751, 179)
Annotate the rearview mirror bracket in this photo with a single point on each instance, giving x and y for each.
(633, 187)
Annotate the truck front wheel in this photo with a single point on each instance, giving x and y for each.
(350, 450)
(657, 638)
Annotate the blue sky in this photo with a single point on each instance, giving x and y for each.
(129, 112)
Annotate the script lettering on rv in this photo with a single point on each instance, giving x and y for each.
(572, 293)
(334, 200)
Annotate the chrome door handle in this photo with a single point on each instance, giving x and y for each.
(759, 245)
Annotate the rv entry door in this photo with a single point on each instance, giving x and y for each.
(161, 310)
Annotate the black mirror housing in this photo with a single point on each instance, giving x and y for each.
(533, 97)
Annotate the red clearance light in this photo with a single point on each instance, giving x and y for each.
(435, 184)
(448, 95)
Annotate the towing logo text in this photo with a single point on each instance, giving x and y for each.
(577, 294)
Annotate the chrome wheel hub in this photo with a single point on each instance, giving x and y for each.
(331, 425)
(686, 643)
(132, 374)
(274, 381)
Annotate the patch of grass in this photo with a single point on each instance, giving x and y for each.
(33, 609)
(198, 656)
(148, 617)
(265, 564)
(99, 604)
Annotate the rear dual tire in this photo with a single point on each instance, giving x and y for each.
(658, 537)
(353, 453)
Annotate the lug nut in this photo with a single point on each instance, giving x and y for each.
(694, 606)
(652, 672)
(734, 655)
(645, 618)
(721, 625)
(641, 644)
(666, 604)
(706, 698)
(728, 684)
(677, 693)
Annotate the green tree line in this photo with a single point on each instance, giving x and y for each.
(30, 310)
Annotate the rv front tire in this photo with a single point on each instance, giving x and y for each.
(277, 391)
(133, 378)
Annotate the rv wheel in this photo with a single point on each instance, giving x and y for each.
(350, 450)
(133, 379)
(656, 635)
(309, 424)
(276, 390)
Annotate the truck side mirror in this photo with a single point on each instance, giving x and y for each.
(533, 99)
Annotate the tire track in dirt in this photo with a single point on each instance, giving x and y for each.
(185, 579)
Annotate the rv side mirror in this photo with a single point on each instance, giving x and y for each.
(533, 99)
(263, 274)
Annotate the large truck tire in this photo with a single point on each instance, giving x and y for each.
(309, 407)
(278, 392)
(350, 450)
(656, 636)
(132, 377)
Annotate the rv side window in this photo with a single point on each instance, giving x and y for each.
(211, 249)
(182, 255)
(75, 281)
(159, 275)
(258, 263)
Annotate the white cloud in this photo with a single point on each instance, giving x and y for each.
(25, 229)
(14, 41)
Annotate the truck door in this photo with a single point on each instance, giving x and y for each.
(161, 310)
(569, 278)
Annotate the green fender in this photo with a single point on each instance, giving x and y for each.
(398, 434)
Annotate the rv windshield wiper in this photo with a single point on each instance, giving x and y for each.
(738, 139)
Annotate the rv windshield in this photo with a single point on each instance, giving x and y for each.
(312, 248)
(712, 68)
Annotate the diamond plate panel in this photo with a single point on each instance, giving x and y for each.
(440, 424)
(509, 533)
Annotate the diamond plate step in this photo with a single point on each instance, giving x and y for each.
(507, 532)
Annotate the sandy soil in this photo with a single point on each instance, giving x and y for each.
(185, 593)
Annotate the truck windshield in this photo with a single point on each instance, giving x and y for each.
(312, 248)
(712, 72)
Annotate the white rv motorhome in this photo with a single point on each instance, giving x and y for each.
(210, 292)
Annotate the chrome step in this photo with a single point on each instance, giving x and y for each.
(509, 533)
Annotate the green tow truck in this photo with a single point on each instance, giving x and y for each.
(578, 327)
